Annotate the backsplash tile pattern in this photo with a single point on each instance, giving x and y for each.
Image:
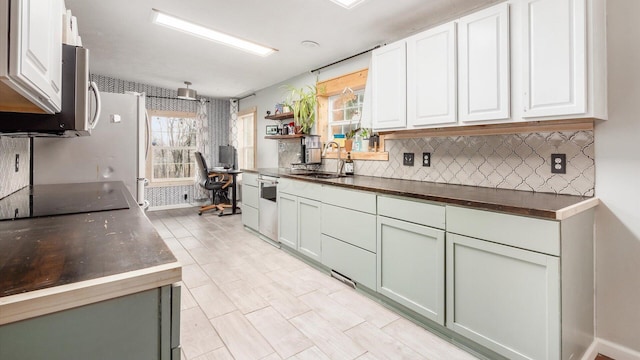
(10, 180)
(165, 99)
(514, 161)
(288, 152)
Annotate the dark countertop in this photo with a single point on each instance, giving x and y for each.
(48, 252)
(543, 205)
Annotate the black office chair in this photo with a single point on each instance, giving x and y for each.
(217, 183)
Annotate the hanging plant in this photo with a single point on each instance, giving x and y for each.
(303, 103)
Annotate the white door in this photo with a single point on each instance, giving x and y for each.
(483, 65)
(554, 46)
(431, 76)
(36, 50)
(389, 90)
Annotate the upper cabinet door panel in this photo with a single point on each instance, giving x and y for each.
(483, 49)
(36, 49)
(389, 88)
(554, 40)
(431, 76)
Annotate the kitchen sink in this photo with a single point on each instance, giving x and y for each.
(319, 175)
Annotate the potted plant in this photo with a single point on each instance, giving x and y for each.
(303, 103)
(348, 143)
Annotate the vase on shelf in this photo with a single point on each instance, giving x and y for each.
(348, 145)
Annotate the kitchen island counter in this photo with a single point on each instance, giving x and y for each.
(516, 202)
(54, 263)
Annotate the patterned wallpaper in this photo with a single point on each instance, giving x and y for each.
(519, 161)
(165, 99)
(10, 180)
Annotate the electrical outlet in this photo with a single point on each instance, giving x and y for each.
(558, 163)
(407, 159)
(17, 162)
(426, 159)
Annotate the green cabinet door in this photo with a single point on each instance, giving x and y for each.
(411, 266)
(288, 220)
(309, 233)
(505, 298)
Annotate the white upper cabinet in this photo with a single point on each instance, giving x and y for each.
(554, 41)
(389, 86)
(483, 67)
(563, 58)
(32, 68)
(431, 76)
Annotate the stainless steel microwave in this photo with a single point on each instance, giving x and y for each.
(76, 118)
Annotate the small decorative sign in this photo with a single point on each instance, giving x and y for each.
(272, 129)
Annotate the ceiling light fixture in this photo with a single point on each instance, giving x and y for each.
(186, 93)
(309, 44)
(175, 23)
(348, 4)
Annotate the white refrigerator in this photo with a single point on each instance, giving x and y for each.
(115, 150)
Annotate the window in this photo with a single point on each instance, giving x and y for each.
(246, 123)
(340, 106)
(173, 142)
(345, 111)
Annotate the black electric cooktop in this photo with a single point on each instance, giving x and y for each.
(61, 199)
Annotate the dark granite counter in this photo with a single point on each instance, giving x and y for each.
(543, 205)
(98, 255)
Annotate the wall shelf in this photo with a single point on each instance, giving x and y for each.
(280, 117)
(294, 136)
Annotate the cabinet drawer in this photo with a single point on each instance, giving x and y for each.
(352, 199)
(518, 231)
(250, 179)
(250, 217)
(354, 227)
(357, 264)
(418, 212)
(300, 188)
(250, 195)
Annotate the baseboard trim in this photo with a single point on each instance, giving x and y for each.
(169, 207)
(610, 349)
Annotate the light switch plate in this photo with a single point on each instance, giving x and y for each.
(407, 159)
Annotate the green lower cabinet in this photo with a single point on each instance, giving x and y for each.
(144, 325)
(410, 265)
(309, 231)
(505, 298)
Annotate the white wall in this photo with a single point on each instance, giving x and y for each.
(267, 98)
(617, 145)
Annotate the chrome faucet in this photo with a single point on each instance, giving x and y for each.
(340, 162)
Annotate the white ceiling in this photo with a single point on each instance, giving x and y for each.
(125, 44)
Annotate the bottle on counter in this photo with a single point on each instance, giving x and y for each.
(348, 165)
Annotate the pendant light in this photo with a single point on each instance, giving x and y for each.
(186, 93)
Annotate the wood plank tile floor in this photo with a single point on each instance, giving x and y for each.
(242, 298)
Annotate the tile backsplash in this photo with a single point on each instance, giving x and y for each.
(10, 180)
(514, 161)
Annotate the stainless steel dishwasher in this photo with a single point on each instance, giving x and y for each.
(268, 207)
